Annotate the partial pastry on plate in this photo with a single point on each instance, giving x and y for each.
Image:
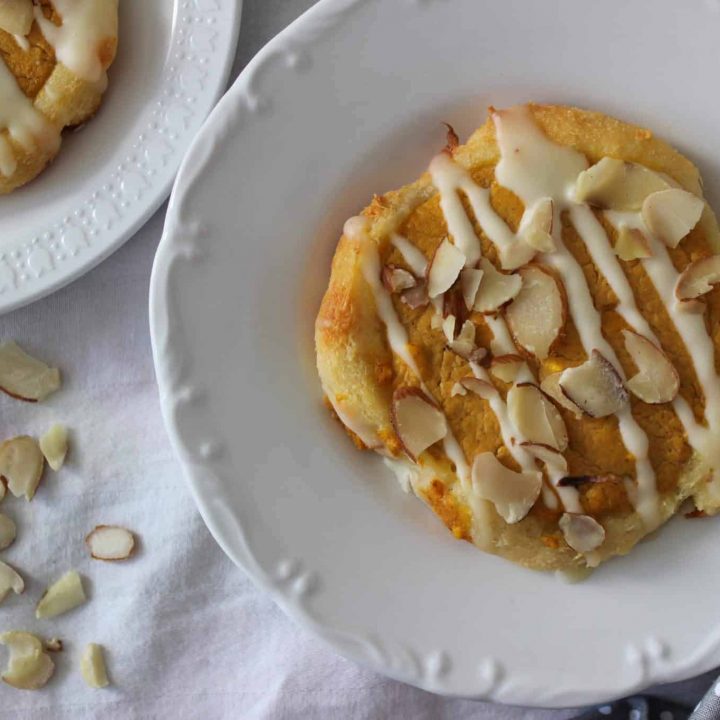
(529, 335)
(54, 56)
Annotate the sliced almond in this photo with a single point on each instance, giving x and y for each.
(54, 446)
(21, 464)
(415, 297)
(457, 389)
(551, 387)
(9, 580)
(16, 16)
(62, 596)
(537, 225)
(582, 533)
(23, 377)
(8, 531)
(698, 278)
(656, 381)
(512, 493)
(469, 284)
(671, 214)
(617, 185)
(535, 417)
(444, 268)
(464, 344)
(478, 387)
(29, 667)
(631, 244)
(595, 386)
(553, 459)
(54, 645)
(496, 288)
(478, 355)
(396, 279)
(537, 315)
(448, 327)
(417, 420)
(92, 666)
(506, 367)
(110, 542)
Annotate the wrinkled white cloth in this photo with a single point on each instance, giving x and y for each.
(187, 635)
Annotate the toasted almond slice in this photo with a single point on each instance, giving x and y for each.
(16, 16)
(21, 464)
(110, 542)
(444, 268)
(469, 284)
(92, 666)
(551, 457)
(464, 344)
(595, 386)
(631, 244)
(496, 288)
(29, 667)
(8, 531)
(512, 493)
(23, 377)
(537, 315)
(617, 185)
(62, 596)
(656, 381)
(506, 367)
(692, 307)
(417, 420)
(698, 278)
(448, 327)
(396, 279)
(54, 645)
(536, 225)
(671, 214)
(551, 387)
(478, 387)
(458, 389)
(415, 297)
(582, 533)
(54, 446)
(535, 417)
(9, 580)
(478, 355)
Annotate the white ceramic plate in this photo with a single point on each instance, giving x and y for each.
(173, 61)
(346, 102)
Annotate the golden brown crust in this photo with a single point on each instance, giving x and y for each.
(350, 340)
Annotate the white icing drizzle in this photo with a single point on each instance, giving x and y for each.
(416, 261)
(85, 25)
(27, 126)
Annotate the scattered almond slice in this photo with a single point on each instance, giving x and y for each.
(464, 344)
(23, 377)
(551, 387)
(506, 367)
(110, 542)
(496, 288)
(54, 446)
(448, 327)
(458, 389)
(417, 420)
(512, 493)
(29, 667)
(631, 244)
(469, 284)
(479, 387)
(538, 313)
(54, 645)
(582, 533)
(396, 279)
(617, 185)
(444, 268)
(415, 297)
(537, 225)
(535, 417)
(9, 580)
(21, 464)
(62, 596)
(671, 214)
(698, 278)
(92, 666)
(8, 531)
(478, 355)
(656, 381)
(16, 16)
(595, 386)
(553, 459)
(692, 307)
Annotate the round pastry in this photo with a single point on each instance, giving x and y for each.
(54, 56)
(529, 335)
